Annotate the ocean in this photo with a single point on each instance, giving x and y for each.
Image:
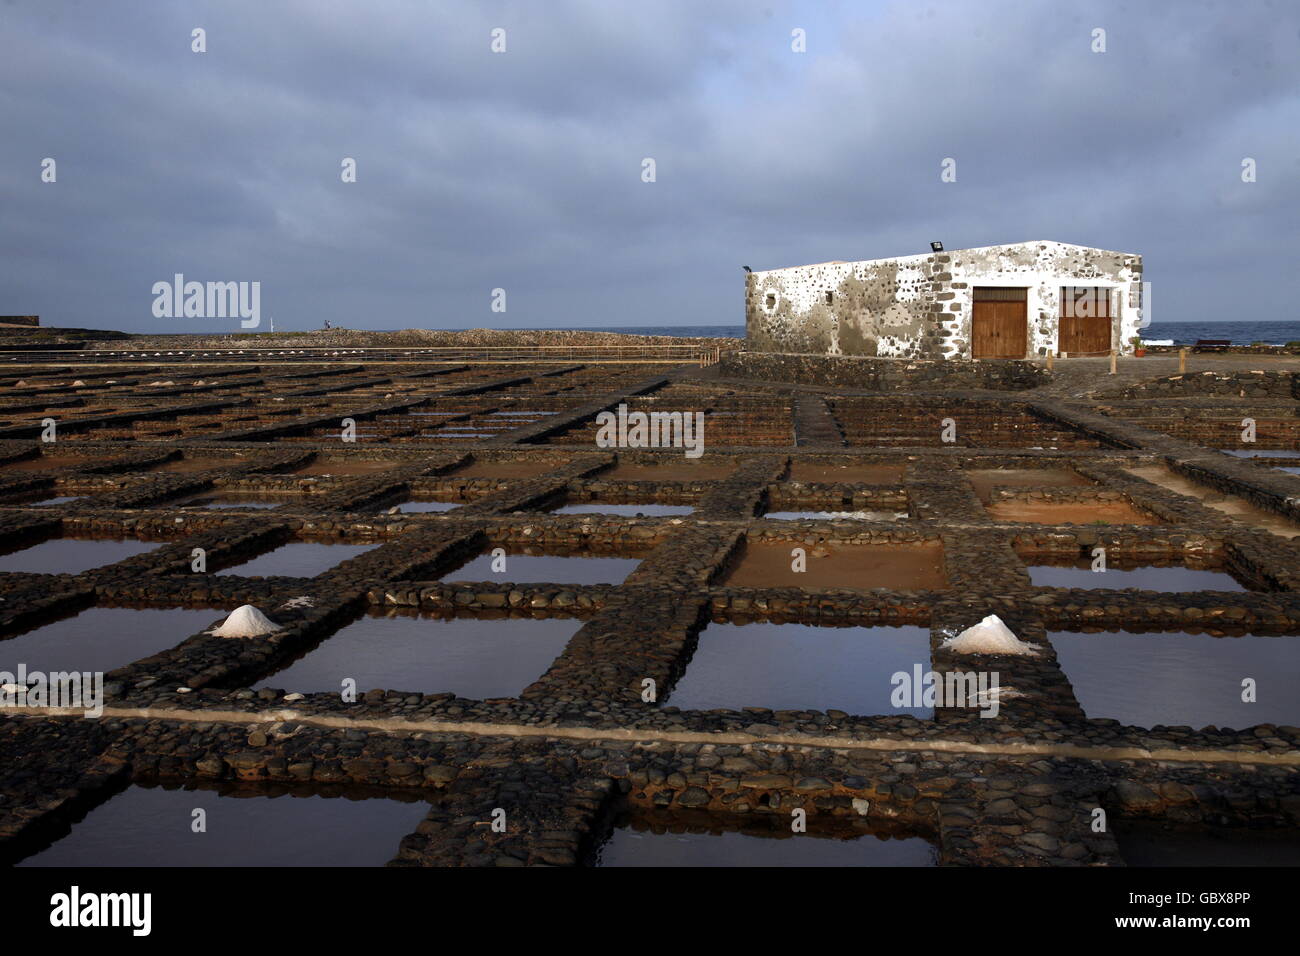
(1183, 333)
(1241, 333)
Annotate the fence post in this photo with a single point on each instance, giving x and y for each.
(1182, 361)
(1112, 361)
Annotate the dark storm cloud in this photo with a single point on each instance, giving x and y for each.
(522, 170)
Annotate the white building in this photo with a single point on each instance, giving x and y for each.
(1022, 300)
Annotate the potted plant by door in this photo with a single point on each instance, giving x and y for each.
(1139, 351)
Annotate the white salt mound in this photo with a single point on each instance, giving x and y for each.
(246, 621)
(989, 636)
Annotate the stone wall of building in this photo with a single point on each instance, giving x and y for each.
(920, 306)
(878, 308)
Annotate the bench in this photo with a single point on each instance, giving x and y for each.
(1211, 345)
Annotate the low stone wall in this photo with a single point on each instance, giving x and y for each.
(1289, 348)
(1252, 384)
(882, 375)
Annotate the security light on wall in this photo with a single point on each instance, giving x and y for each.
(936, 247)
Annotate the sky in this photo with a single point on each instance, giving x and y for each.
(523, 170)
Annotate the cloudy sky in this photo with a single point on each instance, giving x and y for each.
(522, 170)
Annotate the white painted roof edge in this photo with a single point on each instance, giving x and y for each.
(926, 255)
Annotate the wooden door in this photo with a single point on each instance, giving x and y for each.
(999, 323)
(1085, 326)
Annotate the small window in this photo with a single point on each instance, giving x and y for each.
(771, 301)
(830, 298)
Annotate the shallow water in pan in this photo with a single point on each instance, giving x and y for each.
(836, 515)
(649, 510)
(1173, 578)
(299, 559)
(1149, 843)
(802, 667)
(151, 826)
(647, 838)
(73, 555)
(232, 499)
(103, 638)
(415, 506)
(1181, 679)
(468, 657)
(547, 568)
